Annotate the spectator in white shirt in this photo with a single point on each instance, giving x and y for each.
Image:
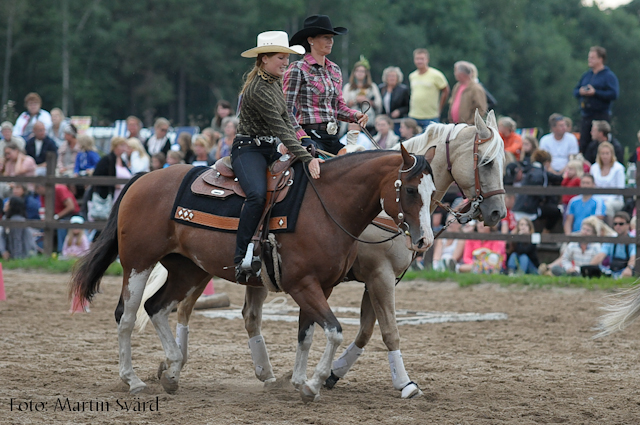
(559, 143)
(34, 113)
(609, 173)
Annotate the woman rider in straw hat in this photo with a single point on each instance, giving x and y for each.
(264, 117)
(313, 86)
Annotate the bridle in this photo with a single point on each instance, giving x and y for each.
(472, 208)
(397, 184)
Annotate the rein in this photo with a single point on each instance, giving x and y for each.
(472, 208)
(397, 185)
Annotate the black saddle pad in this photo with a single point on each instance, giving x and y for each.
(223, 214)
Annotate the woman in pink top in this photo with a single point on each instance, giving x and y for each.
(471, 245)
(17, 163)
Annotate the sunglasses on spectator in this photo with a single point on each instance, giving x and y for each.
(619, 223)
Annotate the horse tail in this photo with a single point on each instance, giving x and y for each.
(88, 272)
(157, 278)
(624, 309)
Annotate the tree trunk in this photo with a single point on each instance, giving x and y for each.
(65, 56)
(182, 96)
(8, 53)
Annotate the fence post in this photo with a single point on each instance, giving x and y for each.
(49, 205)
(637, 265)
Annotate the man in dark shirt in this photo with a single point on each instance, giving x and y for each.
(38, 146)
(596, 90)
(601, 132)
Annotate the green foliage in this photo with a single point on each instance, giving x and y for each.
(52, 265)
(144, 58)
(468, 279)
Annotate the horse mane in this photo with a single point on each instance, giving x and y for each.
(356, 158)
(436, 133)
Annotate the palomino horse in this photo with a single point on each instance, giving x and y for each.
(378, 265)
(314, 258)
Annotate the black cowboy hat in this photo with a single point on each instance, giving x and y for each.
(316, 25)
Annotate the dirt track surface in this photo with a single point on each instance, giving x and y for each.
(538, 367)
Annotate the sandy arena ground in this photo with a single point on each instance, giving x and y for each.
(538, 367)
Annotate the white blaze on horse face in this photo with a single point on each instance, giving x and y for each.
(426, 189)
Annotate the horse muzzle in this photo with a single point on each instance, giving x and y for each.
(420, 244)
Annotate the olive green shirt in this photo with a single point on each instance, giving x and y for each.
(264, 113)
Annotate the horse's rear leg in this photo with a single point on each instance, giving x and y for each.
(183, 281)
(185, 308)
(132, 290)
(252, 313)
(306, 326)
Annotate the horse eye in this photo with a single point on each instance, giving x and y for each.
(412, 191)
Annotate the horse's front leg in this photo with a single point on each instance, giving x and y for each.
(343, 364)
(132, 290)
(315, 308)
(382, 294)
(306, 326)
(252, 313)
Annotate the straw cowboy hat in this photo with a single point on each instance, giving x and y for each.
(316, 25)
(272, 42)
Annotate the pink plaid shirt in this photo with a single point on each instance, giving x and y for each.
(316, 94)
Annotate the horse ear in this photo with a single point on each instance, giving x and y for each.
(406, 157)
(481, 127)
(431, 152)
(491, 119)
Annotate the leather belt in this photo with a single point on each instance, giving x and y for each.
(321, 126)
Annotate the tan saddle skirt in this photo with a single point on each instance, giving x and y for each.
(220, 181)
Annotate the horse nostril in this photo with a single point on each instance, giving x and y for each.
(495, 215)
(420, 243)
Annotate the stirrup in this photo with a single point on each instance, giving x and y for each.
(251, 263)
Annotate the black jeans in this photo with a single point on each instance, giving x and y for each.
(325, 141)
(585, 129)
(250, 164)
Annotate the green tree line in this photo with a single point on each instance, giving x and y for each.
(177, 58)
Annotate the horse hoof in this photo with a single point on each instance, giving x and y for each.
(270, 383)
(411, 391)
(161, 368)
(169, 385)
(137, 387)
(307, 395)
(331, 381)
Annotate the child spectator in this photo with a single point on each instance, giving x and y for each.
(173, 158)
(139, 160)
(582, 206)
(87, 158)
(529, 146)
(76, 244)
(158, 161)
(201, 151)
(480, 253)
(184, 144)
(571, 178)
(607, 172)
(17, 242)
(230, 127)
(523, 255)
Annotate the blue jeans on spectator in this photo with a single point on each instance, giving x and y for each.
(523, 261)
(425, 123)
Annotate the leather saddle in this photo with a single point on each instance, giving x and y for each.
(220, 181)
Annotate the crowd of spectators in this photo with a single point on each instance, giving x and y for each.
(589, 157)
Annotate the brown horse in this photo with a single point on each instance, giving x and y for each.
(314, 258)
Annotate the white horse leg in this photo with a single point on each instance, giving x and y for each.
(382, 294)
(171, 376)
(134, 288)
(252, 313)
(299, 376)
(311, 389)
